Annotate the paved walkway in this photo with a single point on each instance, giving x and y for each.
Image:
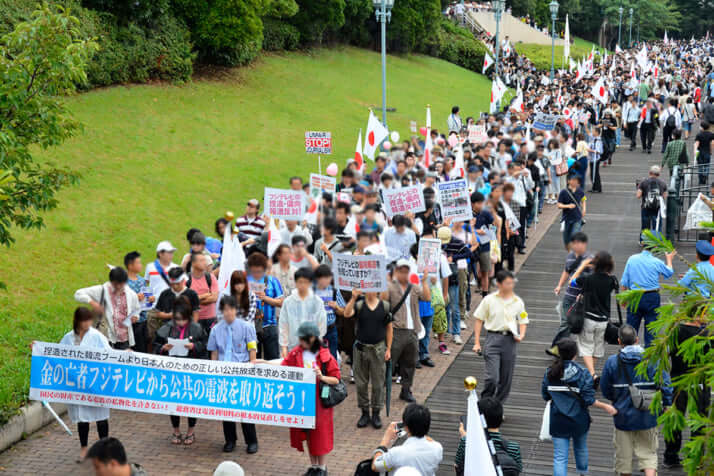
(613, 222)
(514, 28)
(146, 437)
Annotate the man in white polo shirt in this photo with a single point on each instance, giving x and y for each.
(504, 316)
(157, 272)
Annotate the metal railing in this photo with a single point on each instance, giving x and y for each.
(688, 183)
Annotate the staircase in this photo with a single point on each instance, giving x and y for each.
(515, 29)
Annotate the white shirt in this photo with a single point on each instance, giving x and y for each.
(308, 359)
(418, 453)
(156, 282)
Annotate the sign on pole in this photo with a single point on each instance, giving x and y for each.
(367, 273)
(398, 201)
(428, 258)
(318, 142)
(477, 134)
(284, 204)
(251, 393)
(545, 122)
(321, 183)
(454, 199)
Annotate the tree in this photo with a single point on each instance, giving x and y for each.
(318, 19)
(40, 60)
(698, 353)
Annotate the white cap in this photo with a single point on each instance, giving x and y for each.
(165, 246)
(229, 468)
(402, 262)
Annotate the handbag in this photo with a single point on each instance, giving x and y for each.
(612, 331)
(100, 319)
(641, 399)
(576, 315)
(545, 423)
(332, 395)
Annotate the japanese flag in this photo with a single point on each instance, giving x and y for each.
(498, 89)
(352, 228)
(618, 49)
(599, 91)
(428, 145)
(232, 259)
(487, 63)
(571, 65)
(311, 215)
(376, 133)
(459, 170)
(273, 237)
(579, 73)
(358, 151)
(517, 104)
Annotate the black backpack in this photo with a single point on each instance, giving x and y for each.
(651, 201)
(671, 121)
(209, 280)
(508, 464)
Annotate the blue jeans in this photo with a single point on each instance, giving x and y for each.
(427, 322)
(571, 229)
(452, 311)
(647, 310)
(560, 454)
(618, 136)
(331, 338)
(703, 161)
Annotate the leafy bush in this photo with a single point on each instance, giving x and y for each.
(414, 24)
(278, 35)
(457, 45)
(360, 28)
(145, 13)
(317, 20)
(228, 32)
(13, 12)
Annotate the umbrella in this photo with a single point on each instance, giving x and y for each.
(388, 384)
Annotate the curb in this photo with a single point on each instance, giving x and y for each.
(32, 417)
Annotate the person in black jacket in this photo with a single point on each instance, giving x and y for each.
(182, 327)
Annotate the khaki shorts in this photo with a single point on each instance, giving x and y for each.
(641, 444)
(591, 341)
(484, 261)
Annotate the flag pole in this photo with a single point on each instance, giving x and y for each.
(54, 414)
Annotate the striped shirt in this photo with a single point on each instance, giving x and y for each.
(251, 226)
(512, 448)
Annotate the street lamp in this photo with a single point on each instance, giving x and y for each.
(619, 26)
(630, 27)
(553, 6)
(498, 6)
(383, 12)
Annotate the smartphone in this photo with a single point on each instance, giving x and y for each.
(401, 432)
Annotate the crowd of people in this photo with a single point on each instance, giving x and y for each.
(285, 308)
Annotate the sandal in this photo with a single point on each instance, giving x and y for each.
(189, 439)
(176, 439)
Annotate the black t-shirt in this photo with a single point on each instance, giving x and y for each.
(679, 366)
(371, 324)
(705, 139)
(645, 186)
(167, 299)
(572, 215)
(597, 288)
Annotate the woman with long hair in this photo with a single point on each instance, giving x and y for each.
(569, 387)
(246, 299)
(597, 288)
(312, 353)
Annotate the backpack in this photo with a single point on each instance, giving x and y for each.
(508, 464)
(209, 281)
(671, 121)
(652, 198)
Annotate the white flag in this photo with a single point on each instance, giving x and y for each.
(459, 170)
(273, 237)
(665, 37)
(232, 259)
(618, 49)
(566, 38)
(478, 460)
(427, 142)
(498, 89)
(376, 133)
(487, 62)
(517, 104)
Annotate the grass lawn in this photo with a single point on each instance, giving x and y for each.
(158, 159)
(540, 54)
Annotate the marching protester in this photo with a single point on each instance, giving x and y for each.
(137, 283)
(234, 340)
(117, 307)
(157, 272)
(301, 306)
(165, 304)
(575, 257)
(505, 319)
(635, 426)
(311, 353)
(182, 327)
(373, 345)
(270, 296)
(652, 192)
(245, 298)
(572, 201)
(109, 459)
(205, 285)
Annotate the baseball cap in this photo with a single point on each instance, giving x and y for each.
(401, 263)
(165, 246)
(705, 248)
(308, 329)
(254, 202)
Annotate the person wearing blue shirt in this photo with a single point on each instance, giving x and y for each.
(642, 272)
(334, 304)
(701, 277)
(234, 340)
(270, 295)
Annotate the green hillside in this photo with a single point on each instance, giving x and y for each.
(540, 54)
(157, 160)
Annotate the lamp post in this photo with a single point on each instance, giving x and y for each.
(383, 12)
(619, 26)
(553, 5)
(497, 12)
(630, 43)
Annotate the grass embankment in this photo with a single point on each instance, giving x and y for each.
(157, 160)
(540, 54)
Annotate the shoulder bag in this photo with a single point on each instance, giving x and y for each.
(612, 331)
(398, 306)
(641, 399)
(576, 315)
(332, 395)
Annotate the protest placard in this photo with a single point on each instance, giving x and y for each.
(428, 256)
(284, 204)
(545, 122)
(398, 201)
(454, 199)
(367, 273)
(344, 197)
(477, 134)
(318, 142)
(261, 393)
(321, 183)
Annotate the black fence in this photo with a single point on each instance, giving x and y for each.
(688, 182)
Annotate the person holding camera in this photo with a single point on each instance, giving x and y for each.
(418, 451)
(631, 394)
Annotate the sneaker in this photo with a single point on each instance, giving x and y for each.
(398, 379)
(463, 325)
(457, 340)
(674, 464)
(443, 349)
(473, 282)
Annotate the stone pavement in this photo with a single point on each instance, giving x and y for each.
(515, 29)
(146, 437)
